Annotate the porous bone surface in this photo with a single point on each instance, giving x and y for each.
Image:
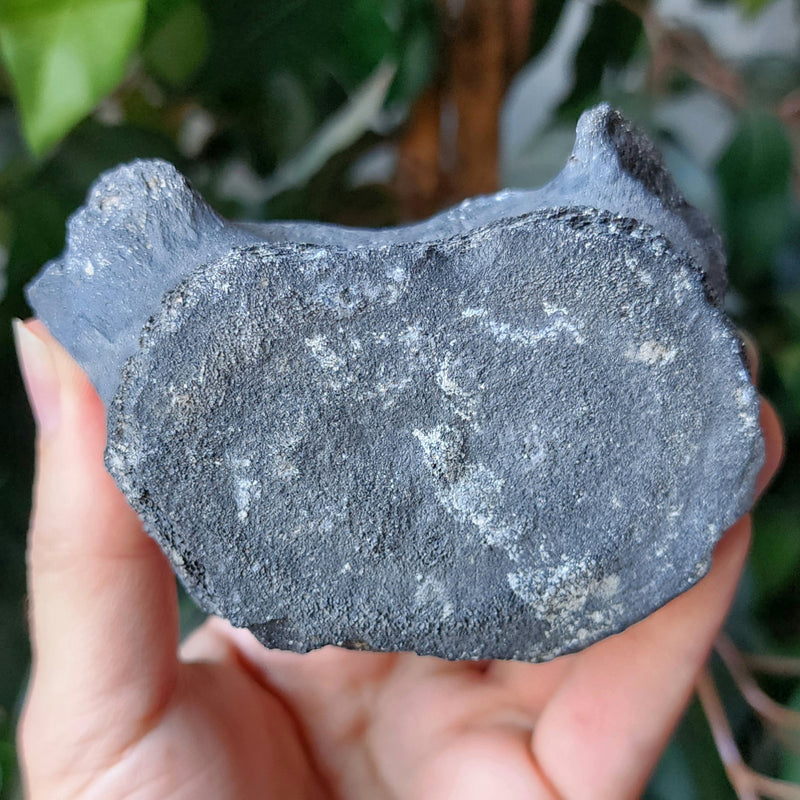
(143, 229)
(506, 432)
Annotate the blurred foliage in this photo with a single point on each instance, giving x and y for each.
(790, 765)
(754, 174)
(64, 56)
(610, 41)
(342, 96)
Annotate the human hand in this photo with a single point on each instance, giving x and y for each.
(116, 709)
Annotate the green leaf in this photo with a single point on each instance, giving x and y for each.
(672, 777)
(755, 228)
(339, 131)
(754, 174)
(789, 303)
(288, 99)
(776, 547)
(753, 7)
(787, 363)
(416, 53)
(790, 767)
(179, 45)
(691, 767)
(609, 43)
(546, 15)
(7, 765)
(63, 57)
(758, 160)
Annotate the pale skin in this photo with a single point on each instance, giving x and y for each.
(118, 709)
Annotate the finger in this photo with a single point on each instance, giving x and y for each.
(103, 606)
(774, 442)
(531, 684)
(212, 642)
(770, 422)
(327, 678)
(604, 729)
(216, 641)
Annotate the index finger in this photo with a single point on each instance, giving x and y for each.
(102, 596)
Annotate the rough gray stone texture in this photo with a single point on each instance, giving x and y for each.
(506, 432)
(143, 229)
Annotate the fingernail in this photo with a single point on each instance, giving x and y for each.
(41, 379)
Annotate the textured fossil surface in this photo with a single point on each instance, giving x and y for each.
(505, 432)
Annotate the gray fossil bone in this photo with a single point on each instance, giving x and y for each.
(505, 432)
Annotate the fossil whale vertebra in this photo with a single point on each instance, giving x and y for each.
(505, 432)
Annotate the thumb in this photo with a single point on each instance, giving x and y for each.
(103, 607)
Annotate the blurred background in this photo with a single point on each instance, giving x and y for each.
(374, 112)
